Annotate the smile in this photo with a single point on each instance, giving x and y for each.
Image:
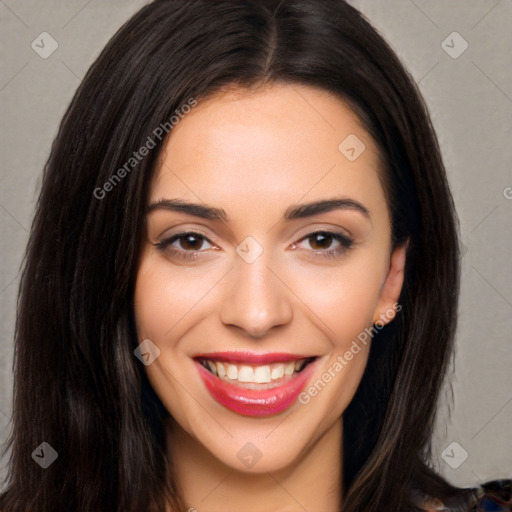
(255, 384)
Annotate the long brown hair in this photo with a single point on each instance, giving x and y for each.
(77, 383)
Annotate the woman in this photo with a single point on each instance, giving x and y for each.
(241, 283)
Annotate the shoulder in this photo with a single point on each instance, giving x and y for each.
(495, 495)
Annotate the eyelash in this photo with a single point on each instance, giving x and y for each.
(346, 243)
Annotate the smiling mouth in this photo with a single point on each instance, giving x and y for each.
(253, 376)
(255, 384)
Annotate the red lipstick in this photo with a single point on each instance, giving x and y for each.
(255, 402)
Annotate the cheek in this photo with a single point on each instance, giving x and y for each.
(164, 295)
(341, 298)
(153, 317)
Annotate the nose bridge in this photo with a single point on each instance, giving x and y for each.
(255, 299)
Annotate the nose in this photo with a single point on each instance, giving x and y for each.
(256, 300)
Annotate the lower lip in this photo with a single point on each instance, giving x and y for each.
(255, 402)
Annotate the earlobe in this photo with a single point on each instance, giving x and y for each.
(387, 305)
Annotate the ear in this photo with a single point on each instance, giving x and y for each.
(387, 303)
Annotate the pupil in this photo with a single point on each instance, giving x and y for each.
(322, 238)
(191, 242)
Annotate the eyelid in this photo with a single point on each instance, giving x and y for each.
(168, 240)
(181, 229)
(323, 227)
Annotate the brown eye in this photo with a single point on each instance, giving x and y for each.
(321, 241)
(191, 242)
(184, 245)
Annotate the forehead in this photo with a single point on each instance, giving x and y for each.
(278, 143)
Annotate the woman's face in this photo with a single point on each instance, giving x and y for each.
(264, 277)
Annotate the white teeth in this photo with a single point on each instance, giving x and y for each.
(277, 372)
(232, 372)
(289, 368)
(263, 374)
(221, 371)
(246, 374)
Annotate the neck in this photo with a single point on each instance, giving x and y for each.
(311, 483)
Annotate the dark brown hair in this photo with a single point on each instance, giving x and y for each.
(77, 383)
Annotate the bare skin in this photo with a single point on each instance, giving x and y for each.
(254, 154)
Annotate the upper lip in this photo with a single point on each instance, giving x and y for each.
(252, 357)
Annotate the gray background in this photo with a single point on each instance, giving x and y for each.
(470, 99)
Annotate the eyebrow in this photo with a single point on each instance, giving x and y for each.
(293, 212)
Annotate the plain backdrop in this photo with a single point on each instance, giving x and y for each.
(466, 79)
